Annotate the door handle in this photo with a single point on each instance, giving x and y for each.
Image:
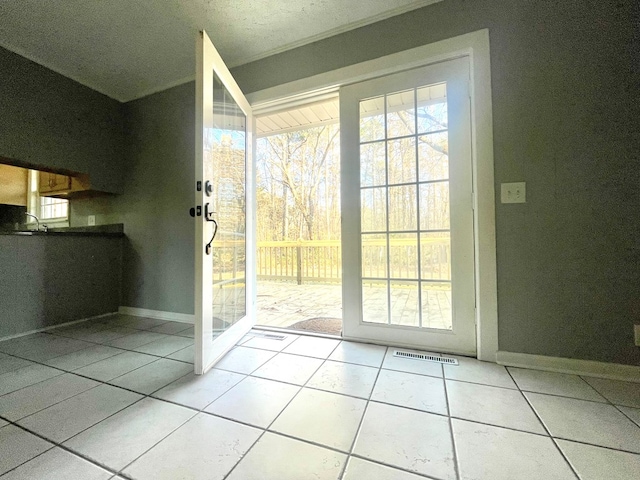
(207, 249)
(208, 216)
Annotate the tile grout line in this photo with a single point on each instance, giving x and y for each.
(41, 362)
(94, 344)
(197, 411)
(394, 467)
(32, 458)
(145, 396)
(388, 403)
(79, 454)
(64, 447)
(454, 447)
(364, 413)
(277, 433)
(376, 461)
(100, 384)
(56, 403)
(120, 472)
(393, 404)
(315, 388)
(265, 430)
(518, 388)
(61, 334)
(626, 414)
(581, 377)
(62, 372)
(250, 374)
(606, 400)
(535, 412)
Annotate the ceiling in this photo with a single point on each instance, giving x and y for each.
(305, 116)
(327, 110)
(127, 49)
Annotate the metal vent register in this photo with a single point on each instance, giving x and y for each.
(270, 336)
(425, 357)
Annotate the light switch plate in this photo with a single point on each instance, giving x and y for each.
(513, 192)
(91, 221)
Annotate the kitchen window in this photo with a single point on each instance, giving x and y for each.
(54, 212)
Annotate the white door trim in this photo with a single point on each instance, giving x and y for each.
(476, 46)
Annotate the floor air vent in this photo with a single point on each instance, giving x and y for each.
(270, 336)
(425, 357)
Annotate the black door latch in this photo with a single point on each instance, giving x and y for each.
(195, 212)
(208, 214)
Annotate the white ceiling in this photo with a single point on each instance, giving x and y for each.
(127, 49)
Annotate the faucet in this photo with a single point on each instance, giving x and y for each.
(37, 221)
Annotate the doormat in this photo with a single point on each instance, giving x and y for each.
(328, 325)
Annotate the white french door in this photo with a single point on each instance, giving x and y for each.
(224, 251)
(407, 209)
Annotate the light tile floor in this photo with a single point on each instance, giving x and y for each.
(116, 398)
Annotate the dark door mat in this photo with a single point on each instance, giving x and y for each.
(328, 325)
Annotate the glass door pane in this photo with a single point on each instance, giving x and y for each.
(413, 187)
(227, 170)
(407, 209)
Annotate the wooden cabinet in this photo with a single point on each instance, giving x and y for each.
(53, 183)
(56, 185)
(13, 185)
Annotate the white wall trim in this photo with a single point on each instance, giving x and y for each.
(475, 45)
(614, 371)
(160, 315)
(51, 327)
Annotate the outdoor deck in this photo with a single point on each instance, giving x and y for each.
(285, 304)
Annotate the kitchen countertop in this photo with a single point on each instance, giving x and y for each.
(112, 230)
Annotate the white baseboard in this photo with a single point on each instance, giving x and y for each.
(51, 327)
(160, 315)
(614, 371)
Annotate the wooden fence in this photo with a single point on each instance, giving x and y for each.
(300, 261)
(319, 261)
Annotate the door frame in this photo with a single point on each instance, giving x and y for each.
(475, 45)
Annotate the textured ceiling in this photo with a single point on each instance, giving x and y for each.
(127, 49)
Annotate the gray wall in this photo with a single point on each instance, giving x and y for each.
(565, 110)
(158, 192)
(50, 121)
(48, 280)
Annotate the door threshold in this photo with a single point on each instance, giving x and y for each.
(292, 331)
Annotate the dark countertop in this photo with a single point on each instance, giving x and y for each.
(113, 230)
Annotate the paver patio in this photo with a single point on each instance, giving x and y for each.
(284, 304)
